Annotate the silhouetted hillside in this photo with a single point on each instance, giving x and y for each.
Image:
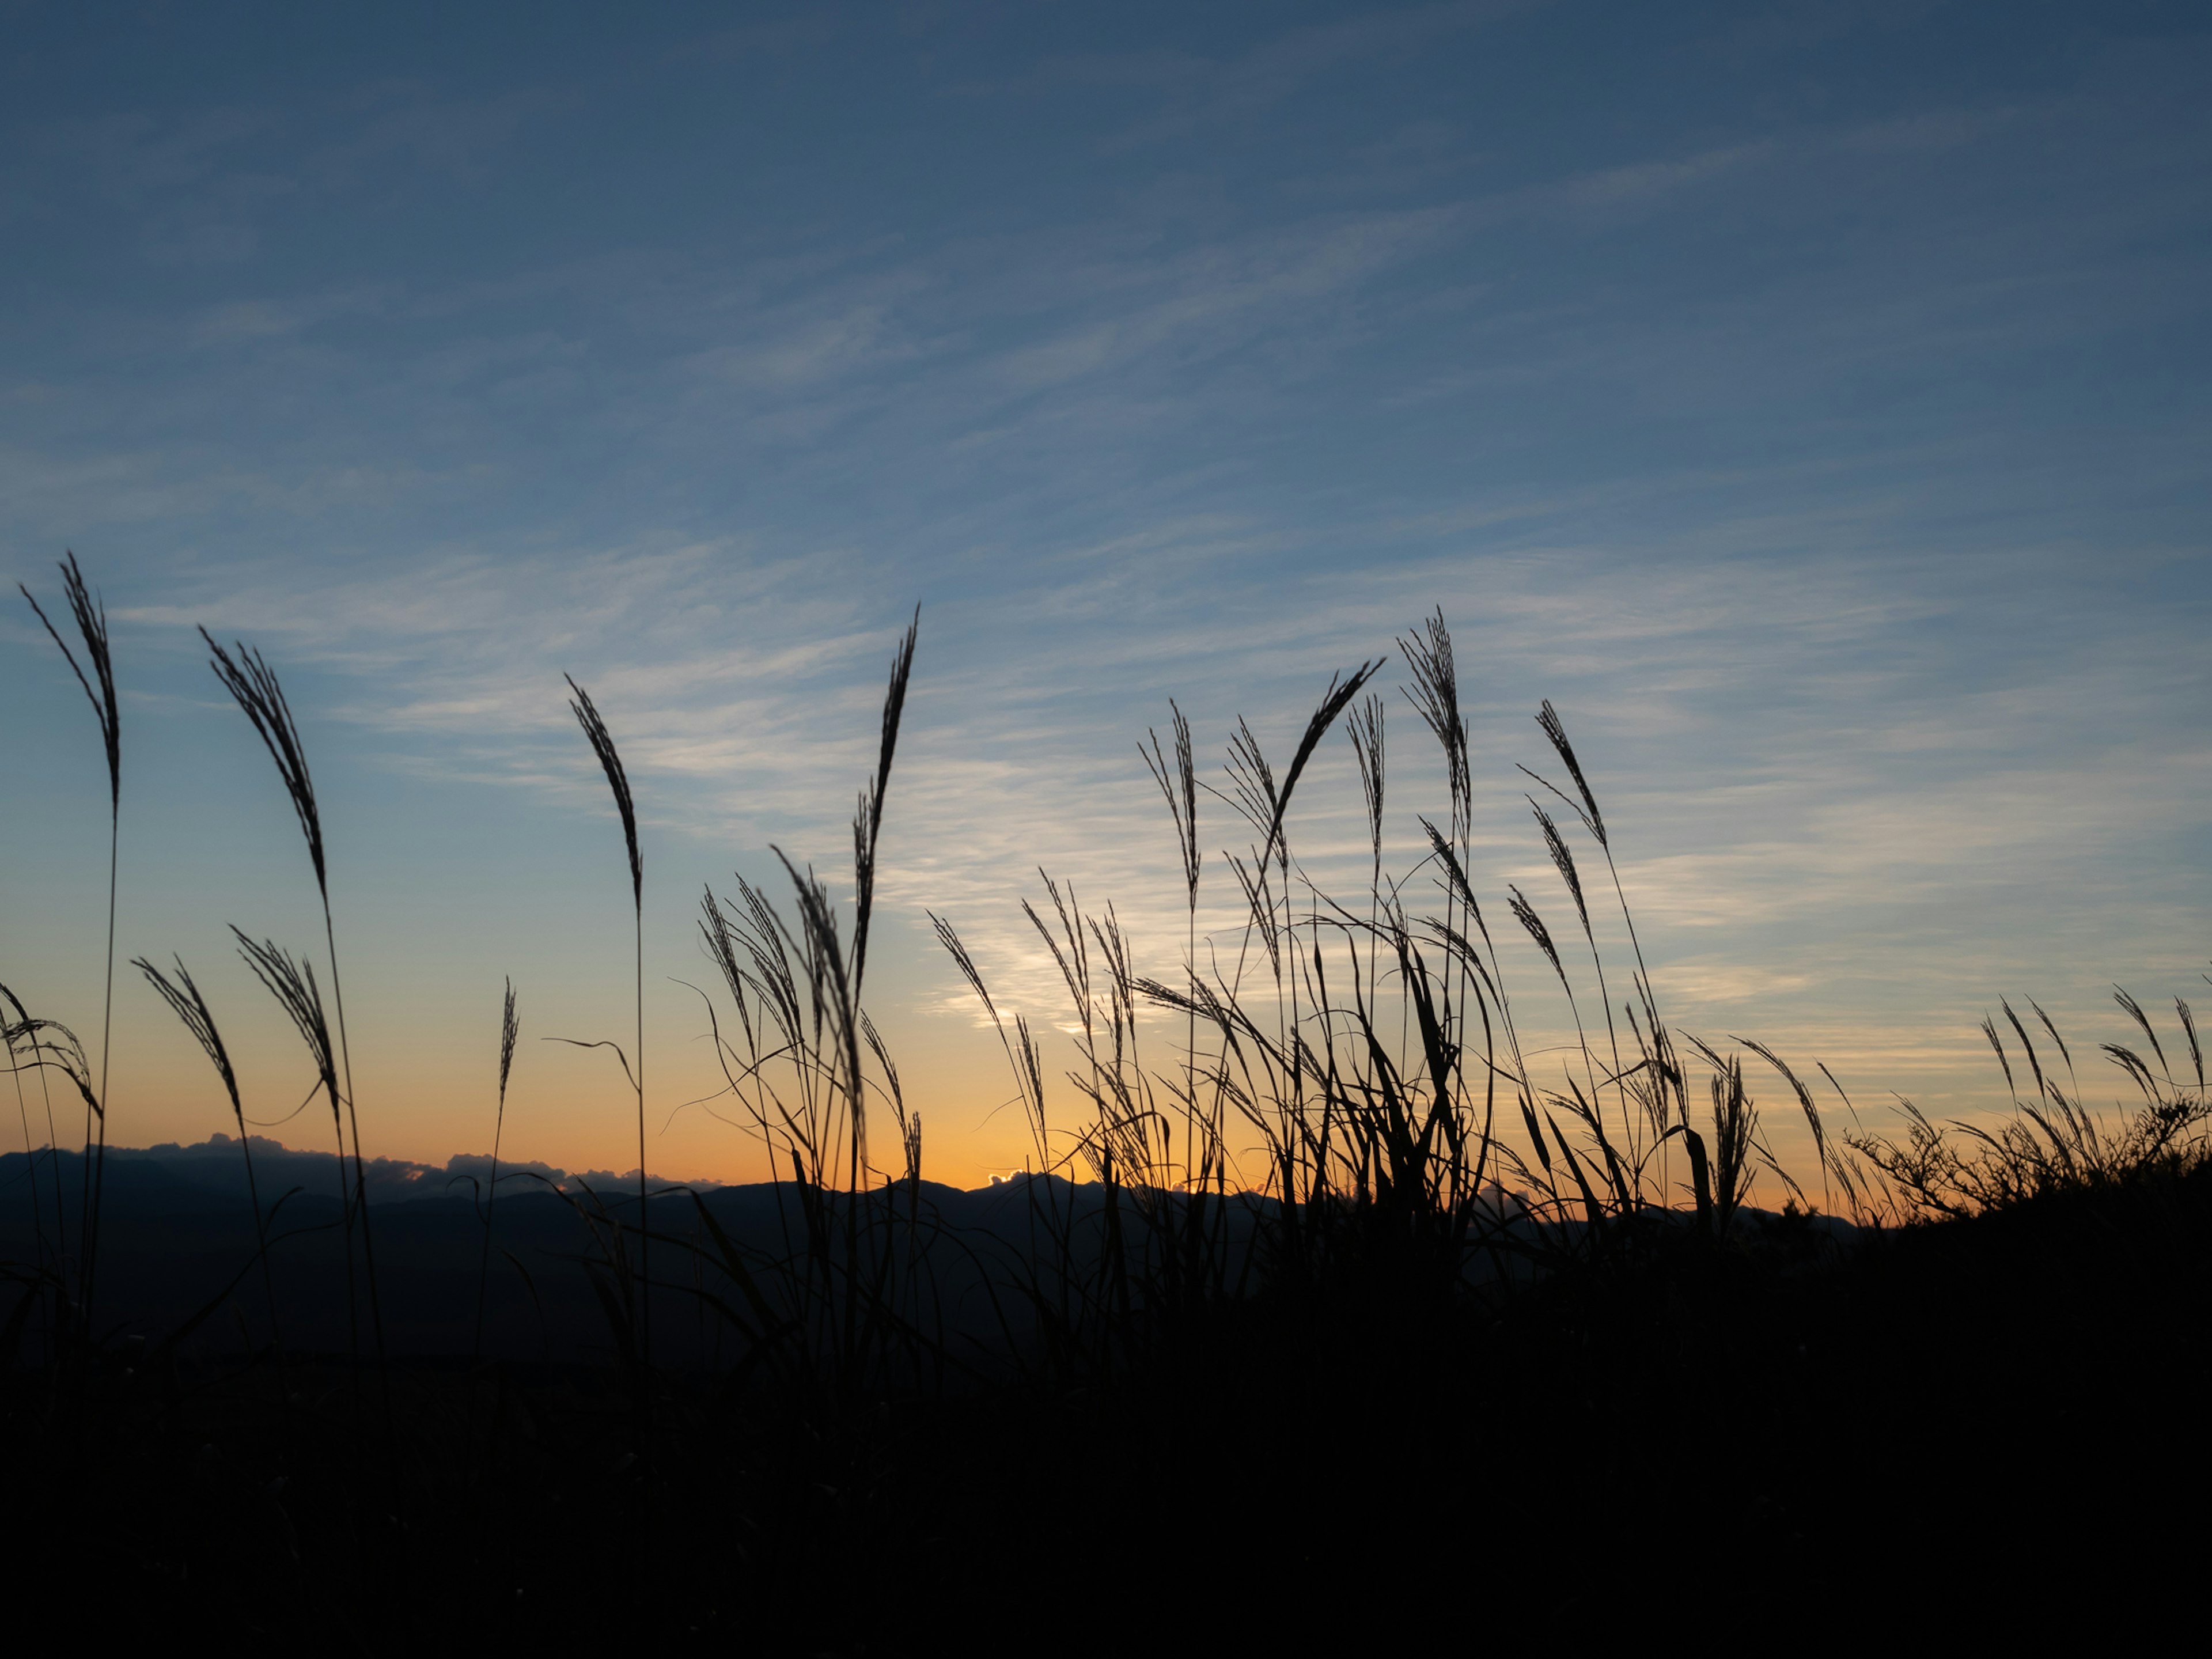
(177, 1234)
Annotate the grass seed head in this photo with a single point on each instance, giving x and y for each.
(91, 619)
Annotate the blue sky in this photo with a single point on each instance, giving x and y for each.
(1811, 401)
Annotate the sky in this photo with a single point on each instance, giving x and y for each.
(1810, 401)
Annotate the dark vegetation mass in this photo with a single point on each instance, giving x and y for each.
(1333, 1307)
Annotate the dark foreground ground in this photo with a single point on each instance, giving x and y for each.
(1927, 1436)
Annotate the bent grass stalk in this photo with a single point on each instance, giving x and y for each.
(609, 759)
(91, 615)
(186, 1001)
(254, 687)
(292, 984)
(8, 1032)
(60, 1051)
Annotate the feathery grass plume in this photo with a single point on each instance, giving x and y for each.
(1736, 1140)
(1253, 794)
(1525, 913)
(2134, 1064)
(62, 1052)
(1455, 880)
(1074, 961)
(909, 1123)
(2064, 1054)
(1586, 809)
(1489, 980)
(1179, 788)
(1563, 861)
(91, 615)
(817, 917)
(1179, 785)
(609, 759)
(1990, 1031)
(602, 745)
(2134, 1009)
(509, 1030)
(2034, 1063)
(1260, 900)
(1804, 1101)
(1870, 1203)
(1594, 820)
(253, 686)
(186, 1001)
(1251, 781)
(1733, 1123)
(1435, 694)
(1340, 692)
(868, 820)
(957, 949)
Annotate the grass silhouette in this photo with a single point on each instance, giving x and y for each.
(1320, 1292)
(91, 615)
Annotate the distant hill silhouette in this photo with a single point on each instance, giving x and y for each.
(177, 1228)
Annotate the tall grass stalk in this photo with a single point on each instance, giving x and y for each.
(292, 984)
(509, 1029)
(609, 759)
(186, 1001)
(254, 687)
(10, 1030)
(841, 1304)
(90, 616)
(1202, 1164)
(52, 1047)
